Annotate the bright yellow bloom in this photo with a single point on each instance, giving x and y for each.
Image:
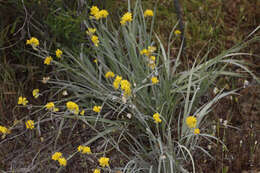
(91, 31)
(156, 118)
(84, 149)
(73, 107)
(151, 49)
(191, 121)
(62, 161)
(50, 106)
(97, 109)
(34, 42)
(196, 131)
(126, 87)
(109, 74)
(96, 171)
(103, 13)
(144, 51)
(127, 17)
(95, 60)
(58, 53)
(177, 32)
(117, 81)
(148, 51)
(4, 130)
(95, 40)
(103, 161)
(35, 93)
(82, 112)
(22, 101)
(56, 156)
(48, 60)
(154, 80)
(152, 58)
(94, 10)
(29, 124)
(148, 13)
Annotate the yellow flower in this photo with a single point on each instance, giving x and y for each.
(48, 60)
(58, 53)
(95, 60)
(144, 51)
(35, 93)
(29, 124)
(109, 74)
(117, 81)
(196, 131)
(84, 149)
(22, 101)
(97, 109)
(91, 31)
(96, 171)
(103, 13)
(73, 107)
(103, 161)
(191, 121)
(94, 10)
(152, 58)
(177, 32)
(154, 80)
(4, 130)
(56, 156)
(50, 106)
(95, 40)
(126, 87)
(148, 51)
(82, 112)
(148, 13)
(156, 118)
(151, 49)
(62, 161)
(34, 42)
(127, 17)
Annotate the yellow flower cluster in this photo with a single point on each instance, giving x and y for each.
(35, 93)
(127, 17)
(148, 51)
(51, 107)
(82, 112)
(117, 81)
(126, 87)
(29, 124)
(58, 53)
(48, 60)
(22, 101)
(177, 32)
(97, 109)
(109, 74)
(156, 118)
(57, 156)
(91, 31)
(103, 161)
(4, 130)
(148, 13)
(95, 40)
(84, 149)
(154, 80)
(191, 122)
(34, 42)
(96, 171)
(98, 14)
(73, 107)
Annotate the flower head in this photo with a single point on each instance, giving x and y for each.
(84, 149)
(73, 107)
(148, 13)
(22, 101)
(62, 161)
(127, 17)
(156, 118)
(109, 74)
(126, 87)
(96, 171)
(91, 31)
(191, 121)
(154, 80)
(103, 161)
(177, 32)
(196, 131)
(48, 60)
(103, 13)
(29, 124)
(56, 156)
(117, 81)
(50, 106)
(4, 130)
(94, 10)
(97, 109)
(82, 112)
(95, 40)
(35, 93)
(34, 42)
(98, 14)
(58, 53)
